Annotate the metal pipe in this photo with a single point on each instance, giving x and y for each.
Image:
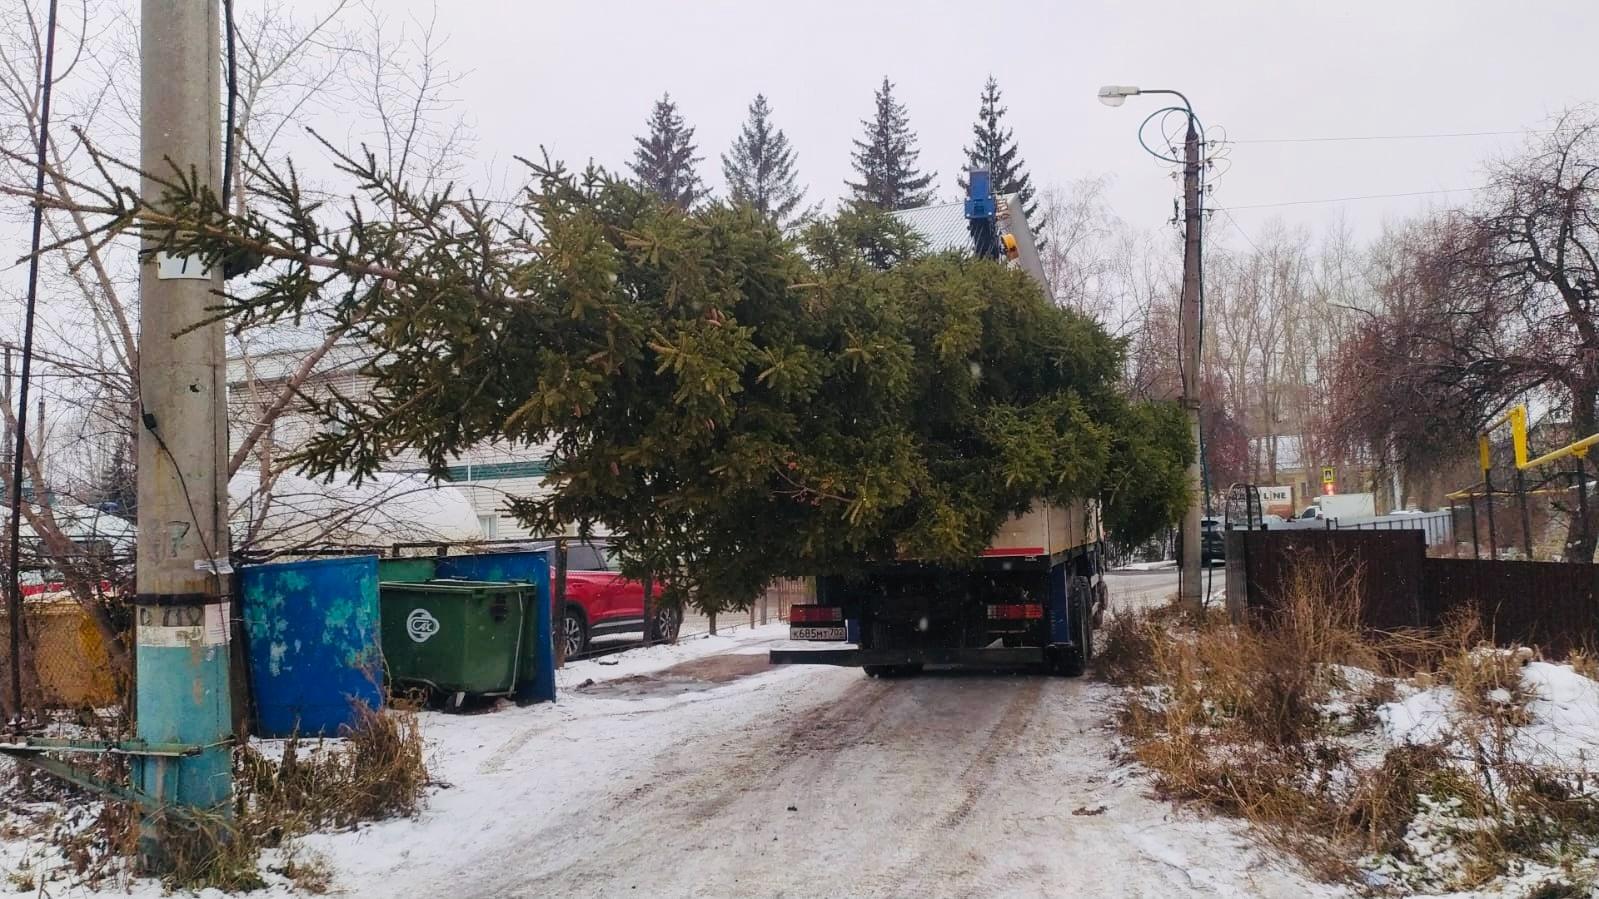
(1582, 504)
(1577, 449)
(1526, 514)
(1475, 552)
(1493, 535)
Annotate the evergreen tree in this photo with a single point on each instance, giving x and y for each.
(664, 160)
(116, 481)
(760, 167)
(886, 159)
(736, 401)
(994, 148)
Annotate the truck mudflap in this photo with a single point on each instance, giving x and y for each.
(859, 658)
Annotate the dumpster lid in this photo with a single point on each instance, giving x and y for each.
(452, 585)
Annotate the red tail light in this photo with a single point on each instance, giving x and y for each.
(1013, 611)
(814, 614)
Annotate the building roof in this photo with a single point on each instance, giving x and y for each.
(942, 225)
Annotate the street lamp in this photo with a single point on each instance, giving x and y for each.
(1117, 94)
(1188, 592)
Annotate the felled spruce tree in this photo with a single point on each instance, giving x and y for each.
(736, 403)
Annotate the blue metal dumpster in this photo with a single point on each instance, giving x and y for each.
(536, 682)
(314, 648)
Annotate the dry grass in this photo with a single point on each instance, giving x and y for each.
(377, 771)
(1237, 718)
(1584, 662)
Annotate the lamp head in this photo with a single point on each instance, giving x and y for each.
(1116, 94)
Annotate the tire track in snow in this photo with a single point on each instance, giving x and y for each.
(682, 797)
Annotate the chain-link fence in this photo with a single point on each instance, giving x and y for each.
(73, 623)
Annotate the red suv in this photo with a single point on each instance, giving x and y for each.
(599, 601)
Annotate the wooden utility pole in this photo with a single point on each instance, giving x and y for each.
(182, 610)
(1189, 589)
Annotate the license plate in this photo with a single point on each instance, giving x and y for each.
(816, 633)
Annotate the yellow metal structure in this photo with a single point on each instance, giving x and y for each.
(1517, 418)
(1578, 449)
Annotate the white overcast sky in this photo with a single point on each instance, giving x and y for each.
(580, 78)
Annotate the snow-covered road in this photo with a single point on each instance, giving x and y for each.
(721, 776)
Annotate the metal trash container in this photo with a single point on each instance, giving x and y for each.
(312, 628)
(411, 570)
(456, 638)
(536, 681)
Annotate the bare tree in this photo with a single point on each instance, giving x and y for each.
(352, 66)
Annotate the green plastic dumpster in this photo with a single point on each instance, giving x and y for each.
(409, 571)
(458, 639)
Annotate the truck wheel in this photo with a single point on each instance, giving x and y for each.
(1073, 661)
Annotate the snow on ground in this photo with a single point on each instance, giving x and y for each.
(1150, 566)
(799, 781)
(1563, 707)
(1560, 735)
(701, 770)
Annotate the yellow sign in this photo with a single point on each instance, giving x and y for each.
(1329, 475)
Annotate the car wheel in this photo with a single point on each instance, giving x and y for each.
(666, 623)
(574, 632)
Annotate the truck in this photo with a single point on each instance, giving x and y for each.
(1341, 505)
(1030, 598)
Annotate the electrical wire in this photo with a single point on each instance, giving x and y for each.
(1239, 228)
(1372, 137)
(1413, 193)
(1199, 351)
(233, 101)
(15, 524)
(148, 419)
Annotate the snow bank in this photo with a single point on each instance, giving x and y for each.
(1564, 718)
(1149, 566)
(1565, 713)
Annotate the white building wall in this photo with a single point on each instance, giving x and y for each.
(489, 474)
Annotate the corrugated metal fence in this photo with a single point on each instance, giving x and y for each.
(1554, 606)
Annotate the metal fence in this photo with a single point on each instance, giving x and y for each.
(1389, 574)
(1438, 528)
(64, 657)
(1541, 521)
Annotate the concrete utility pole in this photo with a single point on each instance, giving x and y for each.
(182, 609)
(1189, 590)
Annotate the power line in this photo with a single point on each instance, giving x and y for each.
(1239, 228)
(1413, 193)
(1369, 137)
(14, 605)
